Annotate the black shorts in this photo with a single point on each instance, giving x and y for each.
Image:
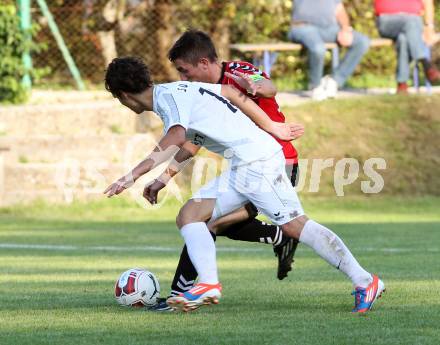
(292, 171)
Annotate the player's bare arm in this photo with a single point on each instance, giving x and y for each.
(255, 85)
(284, 131)
(181, 159)
(168, 146)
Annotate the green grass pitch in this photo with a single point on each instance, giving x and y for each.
(58, 266)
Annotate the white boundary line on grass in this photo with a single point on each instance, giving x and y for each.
(114, 248)
(176, 249)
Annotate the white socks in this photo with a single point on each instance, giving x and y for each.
(331, 248)
(201, 250)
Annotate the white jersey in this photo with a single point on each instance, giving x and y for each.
(212, 121)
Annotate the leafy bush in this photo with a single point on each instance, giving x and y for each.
(12, 46)
(13, 43)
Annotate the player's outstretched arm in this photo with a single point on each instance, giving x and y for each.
(284, 131)
(181, 159)
(168, 146)
(255, 85)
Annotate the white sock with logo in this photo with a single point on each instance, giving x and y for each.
(331, 248)
(201, 250)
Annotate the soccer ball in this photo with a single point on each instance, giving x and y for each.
(137, 288)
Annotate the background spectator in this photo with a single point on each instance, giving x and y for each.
(313, 24)
(402, 21)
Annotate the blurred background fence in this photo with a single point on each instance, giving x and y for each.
(95, 31)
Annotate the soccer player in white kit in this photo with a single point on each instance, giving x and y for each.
(218, 117)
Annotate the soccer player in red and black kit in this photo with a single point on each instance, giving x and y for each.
(195, 58)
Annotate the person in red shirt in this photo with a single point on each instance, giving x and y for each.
(402, 21)
(249, 80)
(195, 58)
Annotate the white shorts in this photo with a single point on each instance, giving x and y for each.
(263, 183)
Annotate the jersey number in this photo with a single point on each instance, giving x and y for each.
(220, 98)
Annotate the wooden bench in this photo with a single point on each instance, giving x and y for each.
(265, 54)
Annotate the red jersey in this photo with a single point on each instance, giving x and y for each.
(398, 6)
(269, 105)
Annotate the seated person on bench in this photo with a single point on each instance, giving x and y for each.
(402, 22)
(317, 22)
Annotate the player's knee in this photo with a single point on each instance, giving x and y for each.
(188, 215)
(182, 218)
(179, 221)
(213, 227)
(292, 232)
(294, 227)
(213, 230)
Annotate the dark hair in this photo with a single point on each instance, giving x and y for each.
(192, 46)
(127, 74)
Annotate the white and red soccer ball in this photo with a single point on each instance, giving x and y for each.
(137, 288)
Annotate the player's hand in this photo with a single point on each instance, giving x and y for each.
(152, 190)
(244, 80)
(296, 130)
(287, 131)
(119, 186)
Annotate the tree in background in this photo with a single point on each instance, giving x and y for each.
(97, 30)
(13, 43)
